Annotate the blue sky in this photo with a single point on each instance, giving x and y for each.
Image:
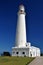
(8, 22)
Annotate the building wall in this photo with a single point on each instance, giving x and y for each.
(20, 51)
(30, 52)
(34, 51)
(37, 52)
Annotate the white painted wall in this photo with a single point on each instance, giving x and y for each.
(29, 51)
(37, 52)
(21, 30)
(34, 51)
(20, 50)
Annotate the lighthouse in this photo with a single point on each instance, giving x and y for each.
(21, 28)
(22, 47)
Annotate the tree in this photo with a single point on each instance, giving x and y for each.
(6, 54)
(41, 54)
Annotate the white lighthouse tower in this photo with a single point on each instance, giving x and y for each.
(21, 28)
(22, 48)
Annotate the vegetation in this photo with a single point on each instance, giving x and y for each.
(15, 60)
(5, 54)
(41, 54)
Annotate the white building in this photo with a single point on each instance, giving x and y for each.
(22, 48)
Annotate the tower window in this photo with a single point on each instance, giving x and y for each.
(17, 52)
(21, 10)
(23, 52)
